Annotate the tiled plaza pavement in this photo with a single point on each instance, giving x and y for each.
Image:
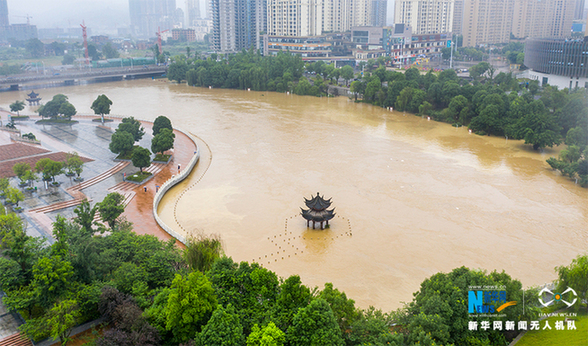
(8, 325)
(91, 139)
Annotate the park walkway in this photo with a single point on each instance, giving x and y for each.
(90, 140)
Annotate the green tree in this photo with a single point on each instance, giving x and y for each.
(575, 276)
(68, 59)
(372, 327)
(17, 106)
(58, 322)
(121, 142)
(67, 109)
(111, 208)
(223, 328)
(202, 251)
(269, 335)
(315, 325)
(101, 105)
(190, 304)
(62, 318)
(163, 141)
(347, 73)
(292, 297)
(127, 276)
(161, 122)
(343, 308)
(177, 71)
(141, 158)
(35, 47)
(85, 216)
(21, 169)
(109, 51)
(11, 275)
(132, 126)
(52, 278)
(53, 169)
(539, 129)
(14, 196)
(74, 164)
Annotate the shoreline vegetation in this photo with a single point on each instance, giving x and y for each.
(489, 104)
(142, 286)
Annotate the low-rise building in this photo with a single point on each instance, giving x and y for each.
(558, 62)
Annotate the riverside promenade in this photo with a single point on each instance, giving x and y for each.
(102, 174)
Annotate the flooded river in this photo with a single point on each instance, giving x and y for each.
(413, 197)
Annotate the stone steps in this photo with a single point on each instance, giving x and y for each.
(16, 340)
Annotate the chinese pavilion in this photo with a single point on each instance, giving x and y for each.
(317, 211)
(33, 98)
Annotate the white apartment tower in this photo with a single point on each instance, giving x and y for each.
(294, 17)
(425, 16)
(313, 17)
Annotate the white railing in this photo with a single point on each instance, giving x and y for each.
(171, 183)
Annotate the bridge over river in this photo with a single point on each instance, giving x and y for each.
(40, 80)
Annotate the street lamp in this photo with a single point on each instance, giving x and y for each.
(43, 67)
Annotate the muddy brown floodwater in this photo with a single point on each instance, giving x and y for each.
(413, 197)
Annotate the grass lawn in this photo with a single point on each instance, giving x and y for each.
(553, 337)
(138, 176)
(161, 158)
(56, 121)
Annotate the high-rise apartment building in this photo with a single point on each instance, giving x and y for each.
(457, 17)
(4, 13)
(425, 16)
(487, 21)
(147, 16)
(542, 18)
(237, 24)
(493, 21)
(192, 12)
(579, 10)
(379, 12)
(295, 17)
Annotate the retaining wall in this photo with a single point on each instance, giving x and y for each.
(171, 183)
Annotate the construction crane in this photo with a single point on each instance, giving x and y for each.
(85, 35)
(158, 33)
(27, 17)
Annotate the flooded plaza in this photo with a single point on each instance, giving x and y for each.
(412, 197)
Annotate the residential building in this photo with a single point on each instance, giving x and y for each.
(379, 12)
(457, 17)
(578, 9)
(530, 19)
(192, 12)
(425, 16)
(487, 21)
(19, 32)
(184, 35)
(4, 13)
(559, 62)
(294, 17)
(150, 16)
(237, 24)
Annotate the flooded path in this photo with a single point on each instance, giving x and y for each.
(413, 197)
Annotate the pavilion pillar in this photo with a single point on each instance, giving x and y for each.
(313, 225)
(322, 225)
(327, 222)
(307, 223)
